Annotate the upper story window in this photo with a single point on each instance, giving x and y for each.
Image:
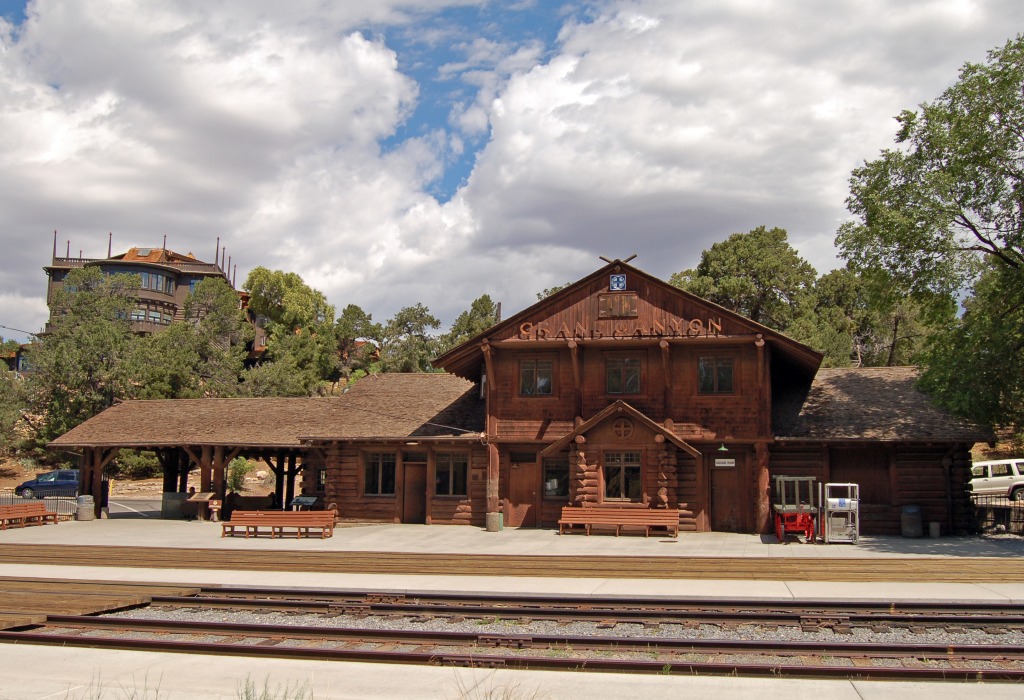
(157, 282)
(536, 377)
(622, 375)
(715, 375)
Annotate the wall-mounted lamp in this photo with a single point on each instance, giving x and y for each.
(723, 448)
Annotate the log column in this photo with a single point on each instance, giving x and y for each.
(762, 497)
(493, 517)
(668, 480)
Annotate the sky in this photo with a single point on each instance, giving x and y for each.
(398, 152)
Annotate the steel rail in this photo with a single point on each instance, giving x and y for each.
(808, 606)
(662, 666)
(545, 641)
(618, 610)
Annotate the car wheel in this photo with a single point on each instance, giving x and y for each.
(28, 493)
(1017, 495)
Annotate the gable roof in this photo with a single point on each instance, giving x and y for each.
(869, 403)
(388, 406)
(619, 408)
(465, 359)
(155, 255)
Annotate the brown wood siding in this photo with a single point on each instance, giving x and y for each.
(889, 476)
(736, 415)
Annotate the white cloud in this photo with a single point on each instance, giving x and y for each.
(652, 127)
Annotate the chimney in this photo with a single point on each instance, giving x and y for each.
(54, 244)
(216, 253)
(110, 243)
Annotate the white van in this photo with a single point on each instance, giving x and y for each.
(1002, 477)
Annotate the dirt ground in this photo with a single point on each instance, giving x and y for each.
(12, 472)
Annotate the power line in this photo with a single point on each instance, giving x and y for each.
(17, 330)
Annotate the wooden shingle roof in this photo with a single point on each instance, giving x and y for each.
(869, 403)
(387, 406)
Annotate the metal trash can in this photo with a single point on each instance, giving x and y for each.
(86, 508)
(911, 524)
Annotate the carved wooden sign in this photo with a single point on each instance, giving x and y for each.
(668, 328)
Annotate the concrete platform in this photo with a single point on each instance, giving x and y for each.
(43, 672)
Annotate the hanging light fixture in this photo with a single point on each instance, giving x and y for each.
(723, 448)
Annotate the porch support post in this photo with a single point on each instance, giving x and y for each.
(763, 495)
(218, 472)
(292, 471)
(493, 517)
(169, 463)
(206, 469)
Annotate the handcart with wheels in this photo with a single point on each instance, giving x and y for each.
(794, 506)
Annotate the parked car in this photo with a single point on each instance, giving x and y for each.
(1002, 477)
(63, 482)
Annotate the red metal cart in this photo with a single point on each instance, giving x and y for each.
(795, 510)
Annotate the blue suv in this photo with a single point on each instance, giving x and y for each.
(63, 482)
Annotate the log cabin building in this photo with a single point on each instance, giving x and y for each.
(619, 389)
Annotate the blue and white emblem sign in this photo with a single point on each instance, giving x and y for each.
(617, 283)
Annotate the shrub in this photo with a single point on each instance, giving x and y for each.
(238, 469)
(132, 464)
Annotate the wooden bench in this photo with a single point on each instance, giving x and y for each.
(22, 514)
(277, 522)
(618, 517)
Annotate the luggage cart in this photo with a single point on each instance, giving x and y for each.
(795, 511)
(841, 513)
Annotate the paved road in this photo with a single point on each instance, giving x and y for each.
(134, 507)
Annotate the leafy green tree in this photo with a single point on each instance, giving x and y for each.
(406, 343)
(856, 320)
(953, 191)
(481, 315)
(78, 365)
(12, 401)
(976, 368)
(221, 335)
(944, 207)
(757, 274)
(551, 291)
(358, 339)
(287, 301)
(290, 367)
(166, 365)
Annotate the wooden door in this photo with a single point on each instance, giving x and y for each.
(414, 497)
(523, 491)
(726, 500)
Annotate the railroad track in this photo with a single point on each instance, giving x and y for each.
(640, 635)
(932, 569)
(840, 617)
(532, 651)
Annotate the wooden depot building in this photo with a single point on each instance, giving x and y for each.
(619, 389)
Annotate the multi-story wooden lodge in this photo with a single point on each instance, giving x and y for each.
(619, 389)
(166, 279)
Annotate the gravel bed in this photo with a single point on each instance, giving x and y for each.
(537, 627)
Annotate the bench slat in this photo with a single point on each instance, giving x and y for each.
(250, 522)
(619, 517)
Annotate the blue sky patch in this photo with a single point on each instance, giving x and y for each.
(435, 52)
